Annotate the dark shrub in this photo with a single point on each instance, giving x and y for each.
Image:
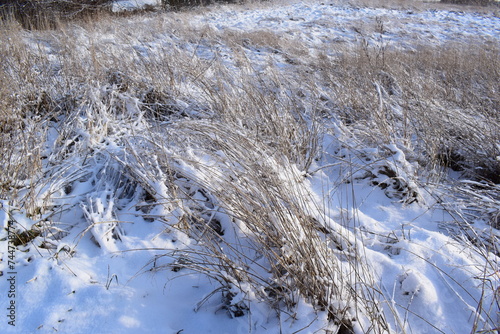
(39, 14)
(470, 2)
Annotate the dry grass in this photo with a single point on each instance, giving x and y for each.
(245, 135)
(444, 106)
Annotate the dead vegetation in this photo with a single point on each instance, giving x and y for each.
(242, 137)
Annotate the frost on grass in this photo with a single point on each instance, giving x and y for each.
(196, 175)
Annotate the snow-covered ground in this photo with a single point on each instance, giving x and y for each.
(133, 4)
(93, 280)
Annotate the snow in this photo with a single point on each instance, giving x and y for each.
(110, 273)
(329, 23)
(124, 5)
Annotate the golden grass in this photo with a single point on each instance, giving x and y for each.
(439, 103)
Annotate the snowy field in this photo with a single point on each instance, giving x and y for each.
(232, 196)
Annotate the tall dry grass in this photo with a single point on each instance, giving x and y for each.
(227, 144)
(442, 101)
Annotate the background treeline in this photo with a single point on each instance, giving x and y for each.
(37, 14)
(34, 14)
